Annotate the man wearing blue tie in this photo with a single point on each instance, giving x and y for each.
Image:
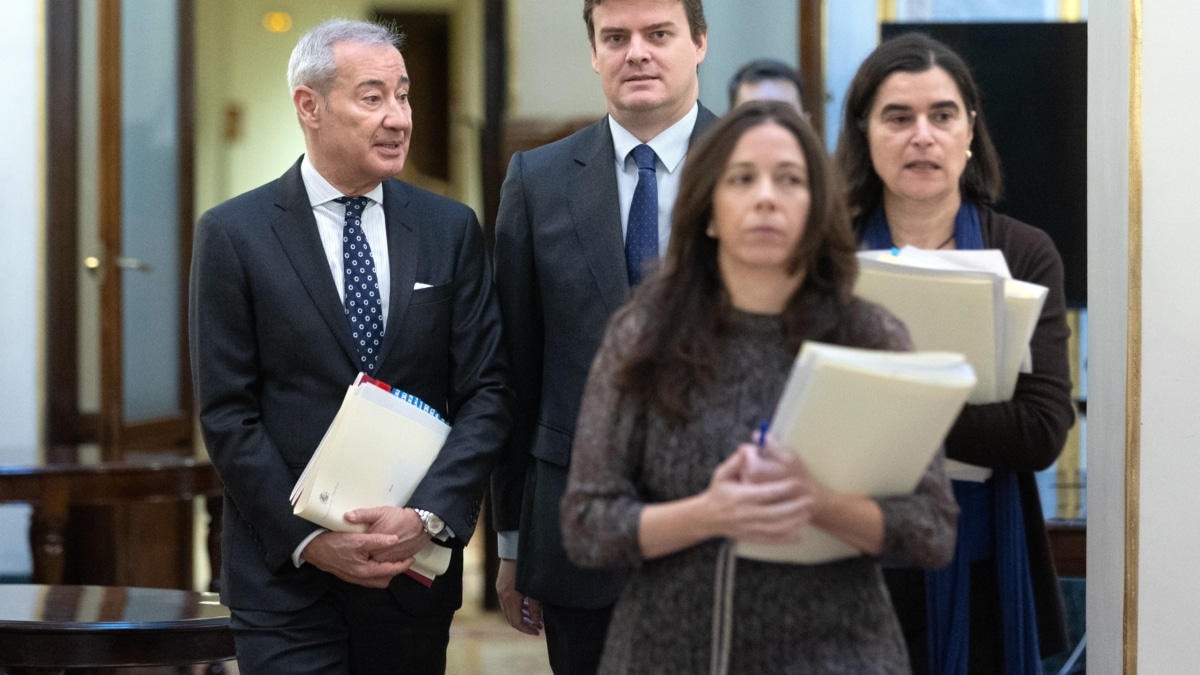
(337, 268)
(581, 221)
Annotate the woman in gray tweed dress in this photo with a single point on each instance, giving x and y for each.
(662, 474)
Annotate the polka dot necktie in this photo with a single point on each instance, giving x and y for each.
(641, 233)
(362, 288)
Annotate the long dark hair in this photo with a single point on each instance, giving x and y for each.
(684, 308)
(981, 181)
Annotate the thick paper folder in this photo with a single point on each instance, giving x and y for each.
(959, 301)
(864, 422)
(375, 453)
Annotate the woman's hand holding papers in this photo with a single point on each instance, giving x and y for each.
(767, 494)
(770, 510)
(773, 461)
(855, 519)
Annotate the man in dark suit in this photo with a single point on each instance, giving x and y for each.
(567, 253)
(279, 277)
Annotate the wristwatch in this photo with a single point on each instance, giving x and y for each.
(432, 525)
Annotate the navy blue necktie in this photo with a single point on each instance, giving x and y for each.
(362, 287)
(641, 233)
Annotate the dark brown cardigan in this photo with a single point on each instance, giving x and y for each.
(1026, 434)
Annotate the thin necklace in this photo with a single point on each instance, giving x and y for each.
(943, 244)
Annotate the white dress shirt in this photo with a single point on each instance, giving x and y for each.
(670, 148)
(331, 221)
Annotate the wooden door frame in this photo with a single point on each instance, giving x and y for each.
(811, 38)
(66, 426)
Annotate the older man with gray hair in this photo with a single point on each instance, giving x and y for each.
(333, 269)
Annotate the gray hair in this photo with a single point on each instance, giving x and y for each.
(312, 63)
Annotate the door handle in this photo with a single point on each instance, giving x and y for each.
(133, 264)
(93, 264)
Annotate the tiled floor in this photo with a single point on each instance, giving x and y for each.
(482, 643)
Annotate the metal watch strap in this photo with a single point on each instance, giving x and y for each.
(425, 516)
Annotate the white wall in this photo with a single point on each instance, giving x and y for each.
(21, 252)
(1108, 209)
(1168, 429)
(1169, 585)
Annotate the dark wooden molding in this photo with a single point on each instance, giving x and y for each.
(812, 61)
(1068, 546)
(526, 133)
(112, 409)
(491, 136)
(169, 435)
(187, 197)
(491, 163)
(62, 421)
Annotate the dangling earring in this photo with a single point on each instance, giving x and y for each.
(969, 153)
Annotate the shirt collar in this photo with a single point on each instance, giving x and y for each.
(321, 191)
(671, 145)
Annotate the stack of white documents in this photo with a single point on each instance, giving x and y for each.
(375, 453)
(865, 422)
(960, 301)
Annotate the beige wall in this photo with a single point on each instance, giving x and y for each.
(550, 65)
(240, 64)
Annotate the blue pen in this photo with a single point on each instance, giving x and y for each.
(763, 426)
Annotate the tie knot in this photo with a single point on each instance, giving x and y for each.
(354, 206)
(643, 156)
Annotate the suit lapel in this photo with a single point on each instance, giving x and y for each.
(402, 253)
(596, 211)
(704, 117)
(296, 230)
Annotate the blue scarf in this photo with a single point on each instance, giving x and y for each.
(990, 525)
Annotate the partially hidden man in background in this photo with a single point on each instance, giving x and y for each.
(579, 221)
(274, 346)
(767, 80)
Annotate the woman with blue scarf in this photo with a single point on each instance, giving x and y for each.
(921, 171)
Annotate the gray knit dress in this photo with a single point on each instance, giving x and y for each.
(830, 618)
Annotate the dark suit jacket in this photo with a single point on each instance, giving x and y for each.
(272, 358)
(560, 274)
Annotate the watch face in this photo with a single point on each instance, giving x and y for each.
(433, 524)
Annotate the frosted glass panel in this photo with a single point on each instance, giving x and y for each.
(977, 10)
(736, 36)
(852, 32)
(149, 209)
